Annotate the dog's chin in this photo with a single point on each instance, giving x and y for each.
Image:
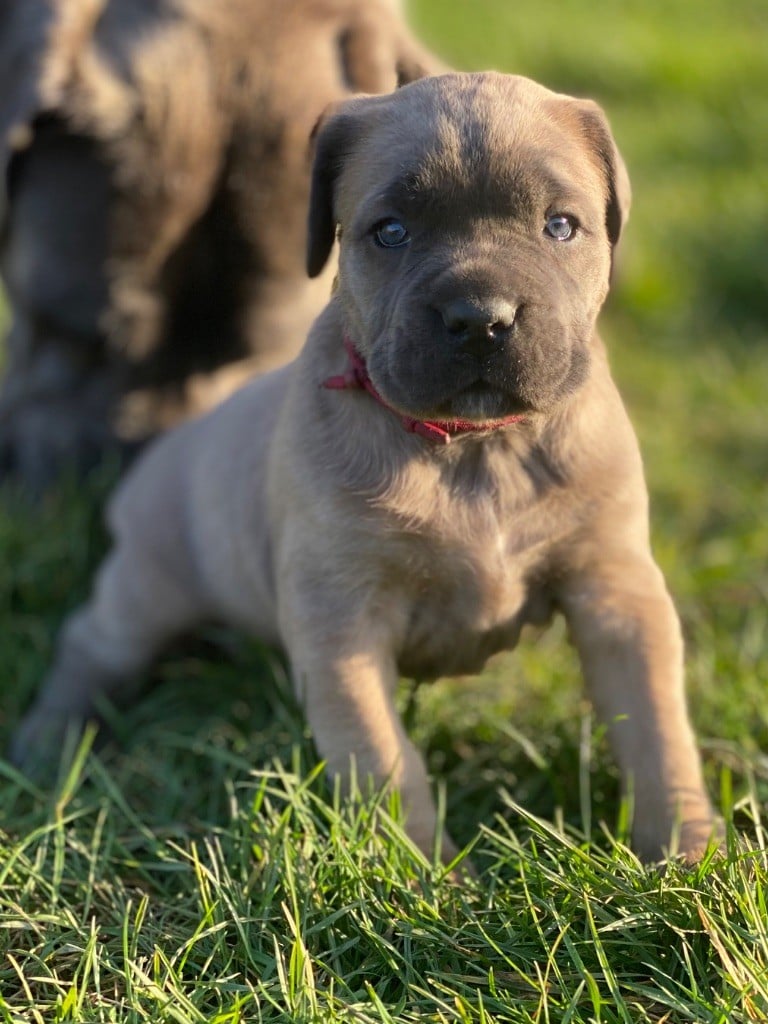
(481, 403)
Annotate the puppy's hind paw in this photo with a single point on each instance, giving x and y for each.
(44, 741)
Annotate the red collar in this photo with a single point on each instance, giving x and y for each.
(439, 431)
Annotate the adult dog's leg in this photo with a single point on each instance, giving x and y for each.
(59, 380)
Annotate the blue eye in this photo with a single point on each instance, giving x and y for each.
(560, 227)
(390, 233)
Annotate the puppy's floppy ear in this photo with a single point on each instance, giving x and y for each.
(333, 138)
(599, 138)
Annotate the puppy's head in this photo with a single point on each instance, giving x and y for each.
(477, 215)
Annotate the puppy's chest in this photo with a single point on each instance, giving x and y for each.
(468, 597)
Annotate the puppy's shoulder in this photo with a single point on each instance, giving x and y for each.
(604, 497)
(592, 436)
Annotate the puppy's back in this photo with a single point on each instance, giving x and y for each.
(197, 492)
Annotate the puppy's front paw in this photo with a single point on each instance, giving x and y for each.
(697, 838)
(688, 842)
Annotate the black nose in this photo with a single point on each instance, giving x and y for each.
(476, 324)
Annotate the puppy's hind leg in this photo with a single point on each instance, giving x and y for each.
(137, 606)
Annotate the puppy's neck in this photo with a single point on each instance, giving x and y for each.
(437, 431)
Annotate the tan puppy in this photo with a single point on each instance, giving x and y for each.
(322, 508)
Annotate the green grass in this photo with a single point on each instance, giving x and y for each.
(199, 870)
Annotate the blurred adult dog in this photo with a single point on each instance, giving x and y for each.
(323, 507)
(154, 174)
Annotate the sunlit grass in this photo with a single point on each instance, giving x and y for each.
(199, 869)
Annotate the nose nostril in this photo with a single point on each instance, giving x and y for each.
(469, 319)
(502, 326)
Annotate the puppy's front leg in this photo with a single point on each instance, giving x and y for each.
(626, 630)
(345, 681)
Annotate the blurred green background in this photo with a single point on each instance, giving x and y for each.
(686, 89)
